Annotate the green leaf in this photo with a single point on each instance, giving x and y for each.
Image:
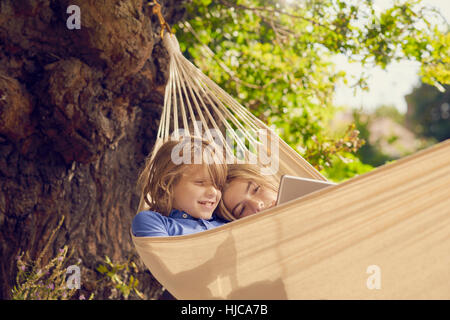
(102, 269)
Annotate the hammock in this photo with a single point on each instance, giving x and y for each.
(394, 220)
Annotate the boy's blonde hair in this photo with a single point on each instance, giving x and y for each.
(249, 172)
(161, 174)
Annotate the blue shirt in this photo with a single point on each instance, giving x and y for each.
(153, 224)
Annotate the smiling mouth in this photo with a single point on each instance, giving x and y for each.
(208, 204)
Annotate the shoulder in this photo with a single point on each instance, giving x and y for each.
(149, 224)
(149, 215)
(218, 220)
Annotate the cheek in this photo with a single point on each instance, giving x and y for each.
(226, 200)
(270, 195)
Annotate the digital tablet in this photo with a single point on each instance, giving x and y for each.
(295, 187)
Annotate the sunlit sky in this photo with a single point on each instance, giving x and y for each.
(387, 87)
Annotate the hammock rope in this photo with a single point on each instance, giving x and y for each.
(191, 95)
(157, 10)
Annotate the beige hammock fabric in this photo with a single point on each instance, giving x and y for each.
(395, 219)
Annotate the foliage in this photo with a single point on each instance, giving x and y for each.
(436, 68)
(326, 148)
(369, 153)
(390, 112)
(274, 58)
(386, 136)
(345, 167)
(120, 276)
(38, 281)
(429, 112)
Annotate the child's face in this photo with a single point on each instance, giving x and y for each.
(245, 197)
(195, 193)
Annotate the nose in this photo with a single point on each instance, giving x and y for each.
(211, 191)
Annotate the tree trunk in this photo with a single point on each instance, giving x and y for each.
(79, 110)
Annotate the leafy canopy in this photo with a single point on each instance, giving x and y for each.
(274, 57)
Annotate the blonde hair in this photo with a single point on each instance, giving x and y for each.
(249, 172)
(161, 174)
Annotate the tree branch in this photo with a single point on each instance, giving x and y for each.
(272, 11)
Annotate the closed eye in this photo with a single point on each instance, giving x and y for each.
(242, 210)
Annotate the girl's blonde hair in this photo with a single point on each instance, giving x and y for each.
(249, 172)
(161, 174)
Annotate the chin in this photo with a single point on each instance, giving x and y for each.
(204, 215)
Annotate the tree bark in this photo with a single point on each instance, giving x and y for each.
(79, 110)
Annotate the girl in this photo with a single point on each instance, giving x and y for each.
(246, 192)
(183, 196)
